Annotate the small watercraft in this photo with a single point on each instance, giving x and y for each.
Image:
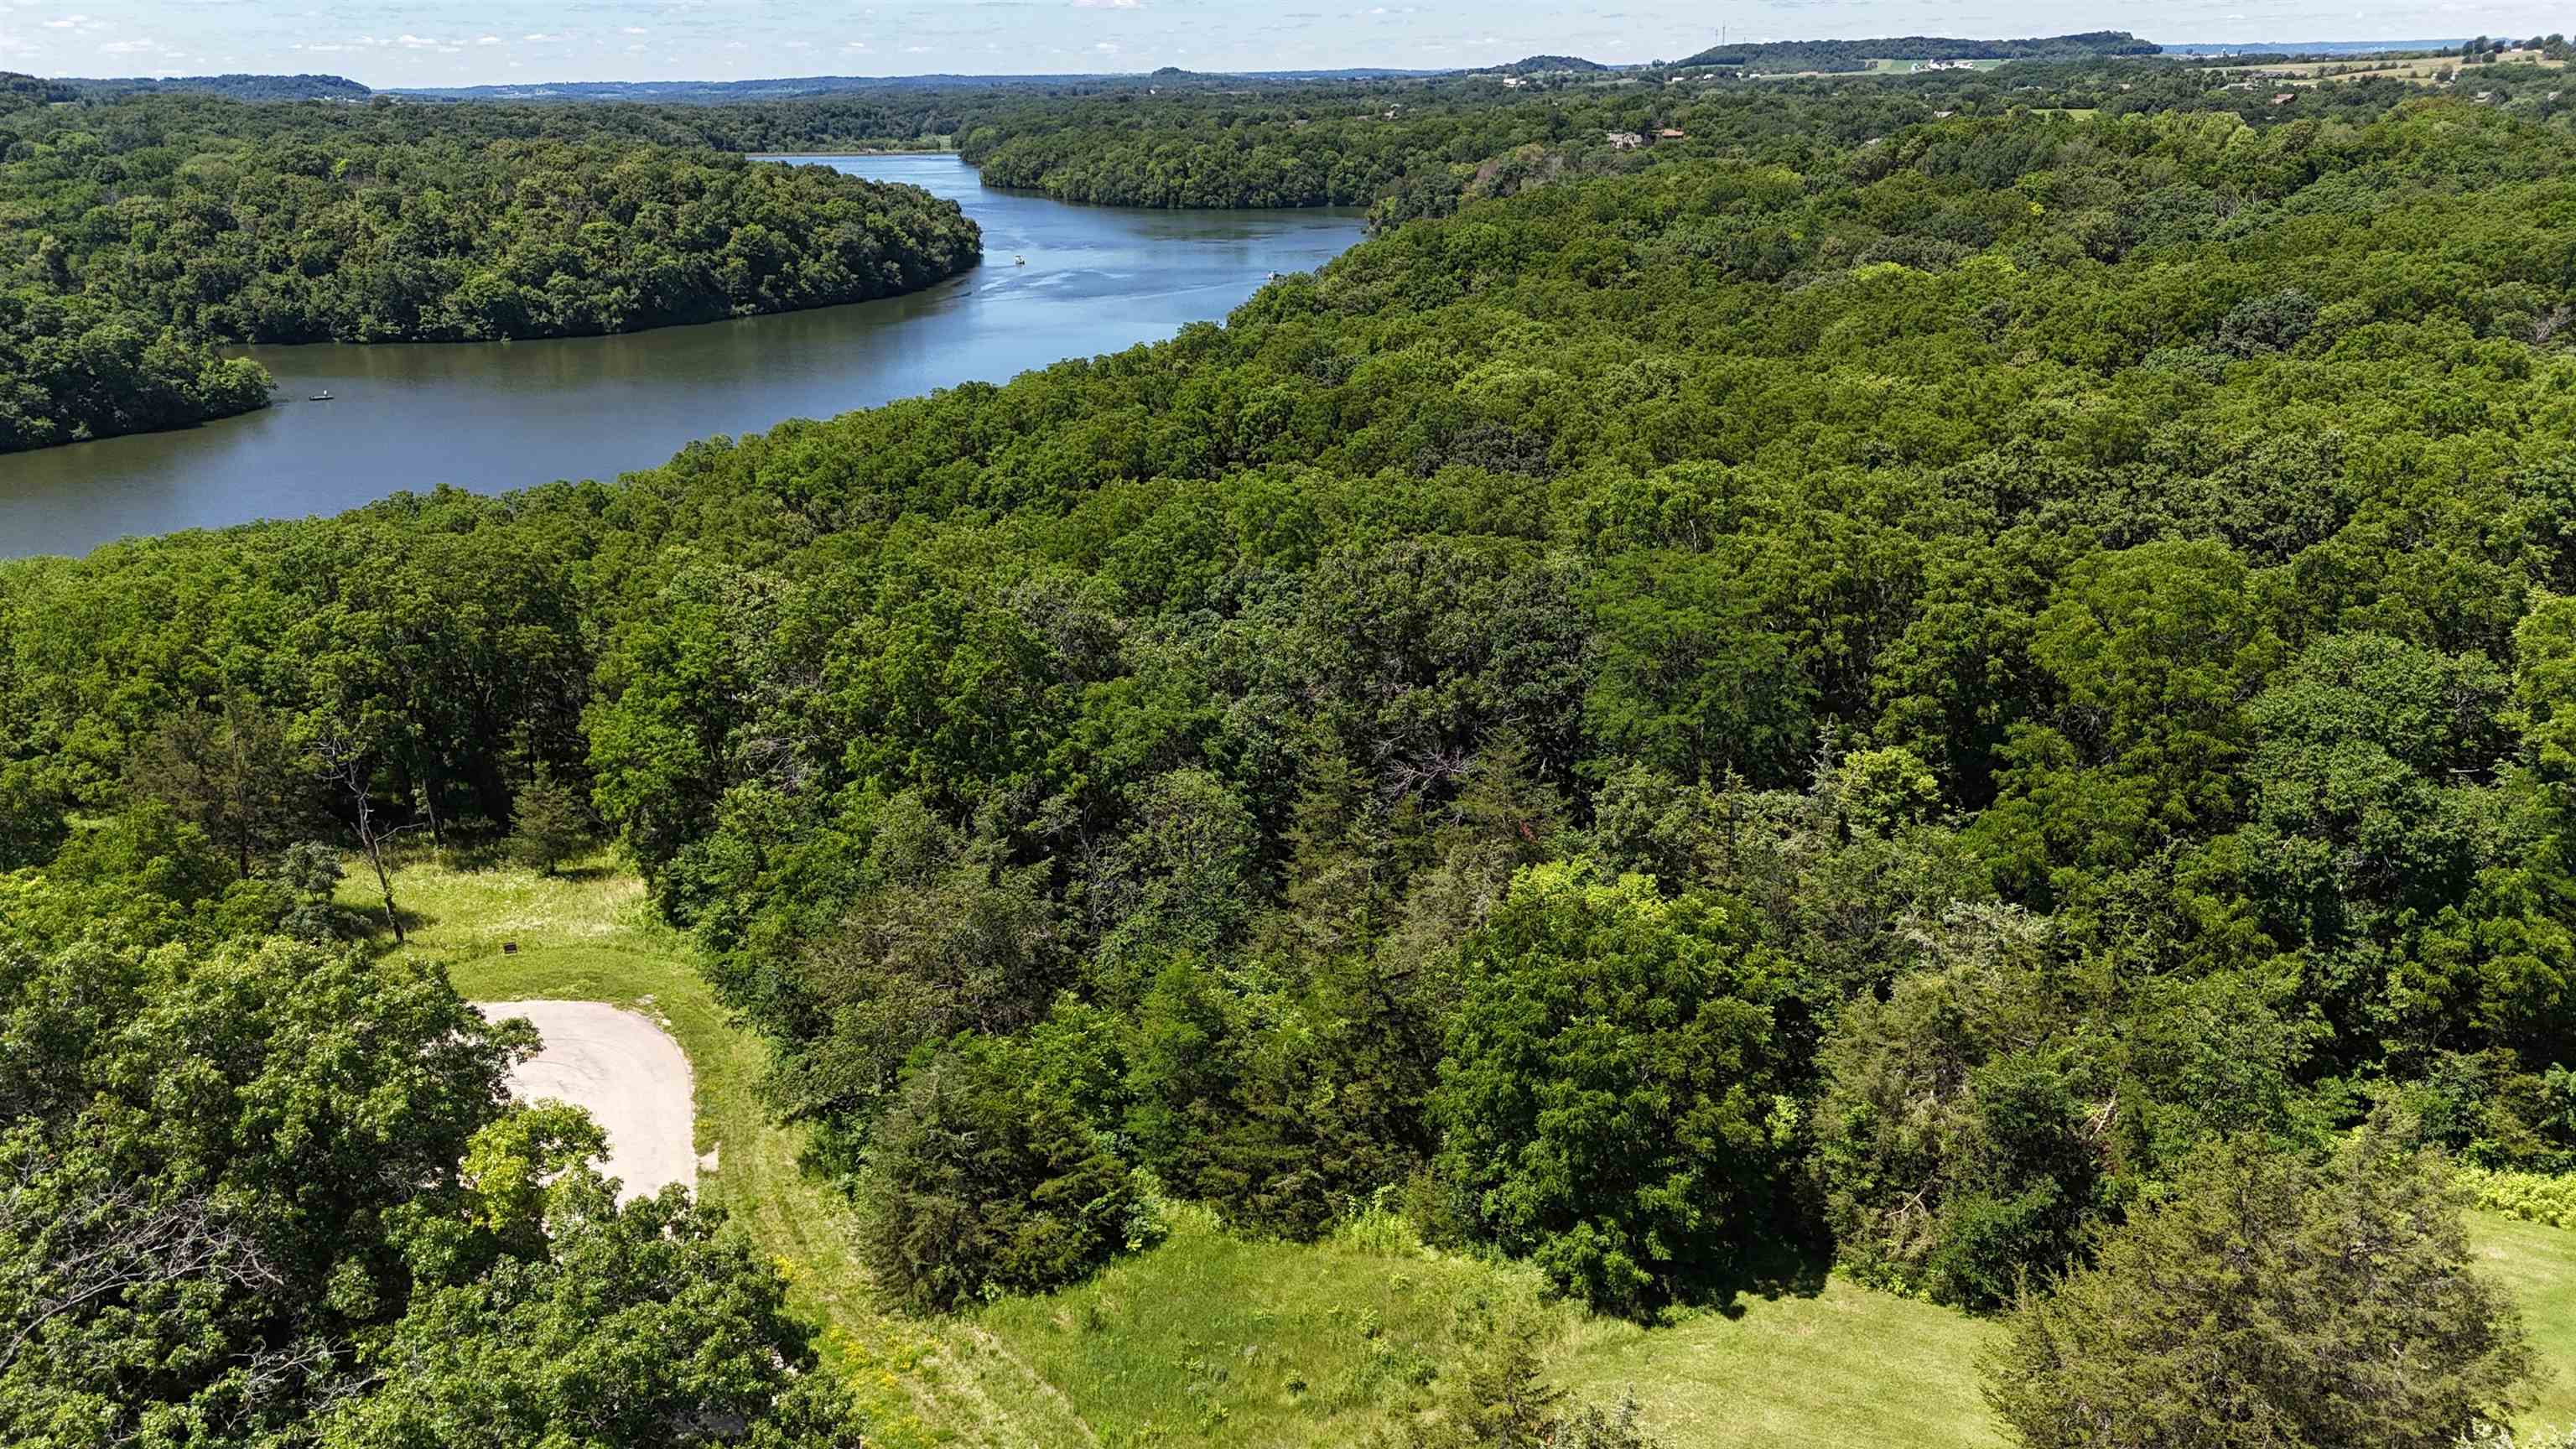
(1018, 260)
(323, 396)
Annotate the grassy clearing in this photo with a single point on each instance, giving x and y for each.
(1848, 1366)
(1210, 1340)
(589, 936)
(2538, 1264)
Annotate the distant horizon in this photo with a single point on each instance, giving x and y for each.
(391, 46)
(2170, 47)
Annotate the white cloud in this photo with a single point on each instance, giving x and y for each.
(124, 47)
(1109, 4)
(487, 40)
(854, 45)
(1106, 47)
(633, 30)
(68, 22)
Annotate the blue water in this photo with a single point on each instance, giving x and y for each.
(495, 416)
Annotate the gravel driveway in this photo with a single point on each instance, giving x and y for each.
(629, 1075)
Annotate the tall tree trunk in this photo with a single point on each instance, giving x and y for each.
(384, 883)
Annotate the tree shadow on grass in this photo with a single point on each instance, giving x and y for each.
(365, 926)
(1770, 1269)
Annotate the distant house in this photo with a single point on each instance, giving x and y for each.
(2284, 98)
(1943, 115)
(1669, 134)
(1623, 140)
(1513, 82)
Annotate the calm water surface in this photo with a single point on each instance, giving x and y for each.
(505, 415)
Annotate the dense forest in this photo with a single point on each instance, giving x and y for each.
(1988, 699)
(74, 368)
(238, 87)
(1969, 679)
(152, 227)
(1419, 149)
(1850, 55)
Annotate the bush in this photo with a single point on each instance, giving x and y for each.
(1497, 1401)
(2537, 1197)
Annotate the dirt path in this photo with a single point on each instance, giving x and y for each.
(627, 1073)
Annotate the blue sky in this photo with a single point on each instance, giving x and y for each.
(479, 41)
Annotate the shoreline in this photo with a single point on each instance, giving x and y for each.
(857, 151)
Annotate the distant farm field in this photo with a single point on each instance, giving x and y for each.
(2418, 70)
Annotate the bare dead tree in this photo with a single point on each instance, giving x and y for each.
(346, 766)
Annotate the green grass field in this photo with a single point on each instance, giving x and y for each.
(2538, 1263)
(1209, 1339)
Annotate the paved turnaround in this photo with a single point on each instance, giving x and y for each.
(627, 1073)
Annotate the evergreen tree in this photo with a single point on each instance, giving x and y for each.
(547, 822)
(2274, 1301)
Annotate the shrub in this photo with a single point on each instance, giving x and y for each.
(2537, 1197)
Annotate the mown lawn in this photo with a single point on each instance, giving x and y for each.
(1207, 1339)
(2538, 1263)
(1846, 1366)
(1211, 1339)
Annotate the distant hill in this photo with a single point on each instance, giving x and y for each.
(1850, 55)
(18, 89)
(239, 87)
(791, 87)
(1537, 64)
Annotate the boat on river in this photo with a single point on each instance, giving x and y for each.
(323, 396)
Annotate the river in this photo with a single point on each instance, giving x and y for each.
(495, 416)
